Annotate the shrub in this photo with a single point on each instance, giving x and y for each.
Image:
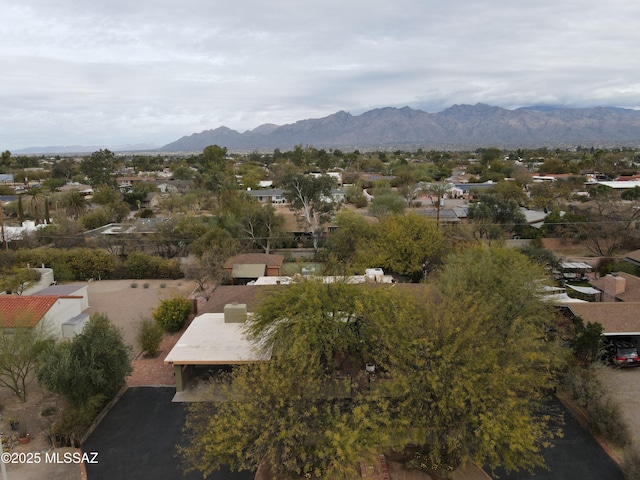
(631, 463)
(48, 411)
(149, 337)
(172, 313)
(141, 265)
(604, 412)
(145, 285)
(134, 285)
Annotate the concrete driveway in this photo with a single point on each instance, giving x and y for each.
(138, 437)
(576, 456)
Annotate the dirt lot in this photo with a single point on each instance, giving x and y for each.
(623, 385)
(126, 307)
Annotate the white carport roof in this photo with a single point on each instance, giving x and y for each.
(585, 290)
(211, 341)
(576, 266)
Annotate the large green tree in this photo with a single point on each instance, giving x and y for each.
(93, 364)
(99, 167)
(464, 366)
(408, 244)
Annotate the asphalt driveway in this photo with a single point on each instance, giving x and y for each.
(576, 456)
(137, 439)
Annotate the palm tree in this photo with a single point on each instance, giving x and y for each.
(35, 199)
(74, 204)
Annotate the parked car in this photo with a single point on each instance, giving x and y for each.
(622, 353)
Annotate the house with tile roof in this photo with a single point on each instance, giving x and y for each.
(62, 314)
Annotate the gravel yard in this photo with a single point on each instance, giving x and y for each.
(126, 306)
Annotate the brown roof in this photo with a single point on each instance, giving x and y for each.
(270, 260)
(635, 255)
(19, 311)
(251, 295)
(615, 317)
(221, 296)
(631, 289)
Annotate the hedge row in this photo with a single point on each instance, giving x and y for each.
(81, 264)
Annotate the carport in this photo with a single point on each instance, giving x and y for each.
(212, 339)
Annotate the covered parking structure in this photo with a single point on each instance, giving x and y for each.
(212, 340)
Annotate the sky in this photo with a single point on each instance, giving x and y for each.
(114, 72)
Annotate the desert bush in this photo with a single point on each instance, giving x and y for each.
(172, 313)
(631, 463)
(149, 337)
(604, 413)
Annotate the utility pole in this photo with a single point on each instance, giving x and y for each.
(4, 238)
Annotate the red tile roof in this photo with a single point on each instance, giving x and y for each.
(19, 311)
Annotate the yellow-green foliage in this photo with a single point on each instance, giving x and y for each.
(172, 313)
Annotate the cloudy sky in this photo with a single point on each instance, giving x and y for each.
(110, 72)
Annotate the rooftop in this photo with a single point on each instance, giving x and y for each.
(210, 341)
(19, 311)
(616, 318)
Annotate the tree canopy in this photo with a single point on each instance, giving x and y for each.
(95, 363)
(463, 365)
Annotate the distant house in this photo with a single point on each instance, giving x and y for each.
(251, 266)
(126, 183)
(77, 187)
(273, 195)
(151, 201)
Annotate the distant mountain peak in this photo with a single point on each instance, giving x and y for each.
(457, 127)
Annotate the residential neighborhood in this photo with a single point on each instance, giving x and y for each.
(410, 304)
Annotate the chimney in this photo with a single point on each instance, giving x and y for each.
(235, 312)
(614, 285)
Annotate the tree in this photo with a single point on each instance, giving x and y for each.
(609, 225)
(311, 198)
(283, 414)
(487, 360)
(17, 280)
(386, 202)
(174, 236)
(464, 365)
(94, 364)
(100, 167)
(406, 244)
(263, 225)
(20, 352)
(353, 232)
(493, 216)
(36, 205)
(74, 204)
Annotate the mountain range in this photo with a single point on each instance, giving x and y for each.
(456, 128)
(460, 127)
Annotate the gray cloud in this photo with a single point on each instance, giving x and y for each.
(117, 71)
